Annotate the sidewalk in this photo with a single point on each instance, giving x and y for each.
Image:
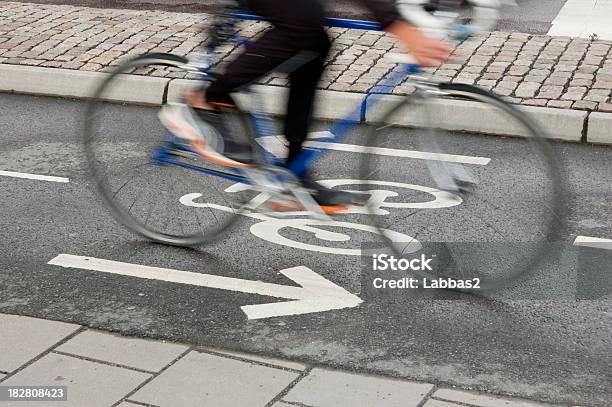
(564, 84)
(102, 369)
(533, 70)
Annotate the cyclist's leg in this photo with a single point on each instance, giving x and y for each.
(203, 123)
(259, 58)
(297, 26)
(303, 82)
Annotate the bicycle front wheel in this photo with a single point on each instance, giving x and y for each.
(168, 196)
(487, 209)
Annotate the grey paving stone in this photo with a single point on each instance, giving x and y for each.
(556, 81)
(128, 404)
(563, 104)
(326, 388)
(487, 82)
(535, 102)
(574, 93)
(527, 89)
(200, 379)
(503, 91)
(518, 70)
(550, 92)
(483, 400)
(579, 75)
(24, 338)
(603, 85)
(605, 107)
(88, 383)
(581, 82)
(139, 353)
(495, 76)
(584, 105)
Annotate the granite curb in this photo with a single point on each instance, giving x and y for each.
(559, 124)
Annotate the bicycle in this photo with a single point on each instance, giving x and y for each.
(244, 191)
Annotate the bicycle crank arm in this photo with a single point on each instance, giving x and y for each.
(309, 204)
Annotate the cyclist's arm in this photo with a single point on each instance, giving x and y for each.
(426, 51)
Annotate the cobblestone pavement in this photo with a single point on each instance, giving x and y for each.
(529, 69)
(102, 369)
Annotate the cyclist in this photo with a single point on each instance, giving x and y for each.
(298, 41)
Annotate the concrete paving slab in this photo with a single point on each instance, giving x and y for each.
(139, 353)
(483, 399)
(88, 383)
(581, 18)
(207, 380)
(331, 388)
(24, 338)
(270, 361)
(439, 403)
(600, 128)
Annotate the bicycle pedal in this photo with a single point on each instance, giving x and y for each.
(295, 206)
(287, 205)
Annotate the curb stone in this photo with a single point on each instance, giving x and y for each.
(79, 84)
(560, 124)
(600, 128)
(449, 114)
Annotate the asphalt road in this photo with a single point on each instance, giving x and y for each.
(531, 16)
(534, 341)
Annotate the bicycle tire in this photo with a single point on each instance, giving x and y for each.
(163, 234)
(549, 233)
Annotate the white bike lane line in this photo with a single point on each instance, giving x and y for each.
(23, 175)
(275, 145)
(315, 294)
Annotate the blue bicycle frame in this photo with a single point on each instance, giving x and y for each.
(263, 126)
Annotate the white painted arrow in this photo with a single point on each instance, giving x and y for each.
(316, 294)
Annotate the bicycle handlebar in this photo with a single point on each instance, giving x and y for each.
(330, 21)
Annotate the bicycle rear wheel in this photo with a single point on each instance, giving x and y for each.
(501, 230)
(166, 196)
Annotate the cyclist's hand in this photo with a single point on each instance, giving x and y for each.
(427, 51)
